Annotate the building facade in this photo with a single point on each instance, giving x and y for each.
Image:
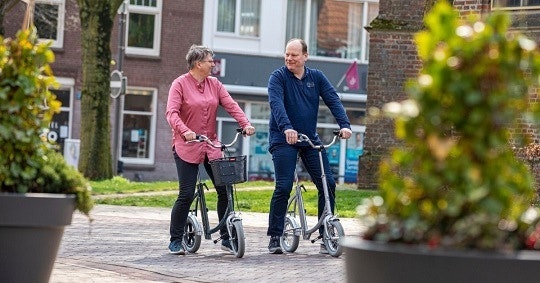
(248, 37)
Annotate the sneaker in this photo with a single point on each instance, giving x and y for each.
(177, 248)
(226, 246)
(323, 249)
(274, 246)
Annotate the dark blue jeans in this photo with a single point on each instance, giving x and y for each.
(187, 179)
(284, 157)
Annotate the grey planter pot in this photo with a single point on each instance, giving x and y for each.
(31, 228)
(368, 261)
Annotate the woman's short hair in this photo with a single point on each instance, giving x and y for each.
(197, 53)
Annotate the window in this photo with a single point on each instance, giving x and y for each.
(239, 17)
(49, 21)
(144, 27)
(515, 4)
(60, 127)
(332, 28)
(138, 126)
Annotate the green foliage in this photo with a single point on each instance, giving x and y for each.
(28, 163)
(455, 181)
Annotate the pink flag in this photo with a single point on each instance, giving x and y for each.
(351, 77)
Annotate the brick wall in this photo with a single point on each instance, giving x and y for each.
(392, 61)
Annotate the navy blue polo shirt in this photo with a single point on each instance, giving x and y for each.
(294, 103)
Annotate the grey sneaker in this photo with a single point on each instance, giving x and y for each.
(274, 247)
(323, 249)
(226, 246)
(177, 248)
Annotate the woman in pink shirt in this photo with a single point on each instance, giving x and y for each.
(192, 107)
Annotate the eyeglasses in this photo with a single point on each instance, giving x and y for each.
(209, 61)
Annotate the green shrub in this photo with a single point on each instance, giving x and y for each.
(28, 163)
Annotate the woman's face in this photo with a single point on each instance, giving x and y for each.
(206, 65)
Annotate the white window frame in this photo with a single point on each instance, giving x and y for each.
(237, 21)
(364, 35)
(151, 136)
(157, 13)
(59, 42)
(522, 6)
(68, 84)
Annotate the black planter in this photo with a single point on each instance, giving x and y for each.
(368, 261)
(31, 228)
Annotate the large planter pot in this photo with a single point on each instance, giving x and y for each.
(368, 261)
(31, 228)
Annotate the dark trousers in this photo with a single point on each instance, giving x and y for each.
(284, 157)
(187, 179)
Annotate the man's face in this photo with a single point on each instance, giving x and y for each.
(294, 58)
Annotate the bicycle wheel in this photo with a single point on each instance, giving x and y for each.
(289, 241)
(331, 239)
(237, 239)
(192, 237)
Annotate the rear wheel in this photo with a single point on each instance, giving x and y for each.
(289, 241)
(237, 239)
(192, 237)
(331, 240)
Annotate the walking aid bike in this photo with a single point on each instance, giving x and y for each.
(333, 230)
(227, 171)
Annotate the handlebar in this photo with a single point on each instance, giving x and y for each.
(203, 138)
(304, 138)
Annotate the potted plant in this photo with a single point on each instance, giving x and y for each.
(38, 189)
(455, 202)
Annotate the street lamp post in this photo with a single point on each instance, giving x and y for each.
(117, 102)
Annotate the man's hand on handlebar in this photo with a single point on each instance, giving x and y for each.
(345, 133)
(291, 136)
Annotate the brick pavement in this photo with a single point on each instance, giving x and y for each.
(129, 244)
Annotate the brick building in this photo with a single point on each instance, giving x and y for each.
(393, 60)
(248, 37)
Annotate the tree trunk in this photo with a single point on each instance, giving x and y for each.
(97, 19)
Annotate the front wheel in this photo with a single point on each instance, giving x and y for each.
(192, 237)
(289, 240)
(334, 232)
(237, 238)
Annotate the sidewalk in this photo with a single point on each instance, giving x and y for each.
(129, 244)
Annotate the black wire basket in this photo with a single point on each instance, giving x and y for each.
(229, 170)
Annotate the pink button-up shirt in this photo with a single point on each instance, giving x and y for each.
(193, 106)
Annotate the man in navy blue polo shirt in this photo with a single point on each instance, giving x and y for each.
(293, 93)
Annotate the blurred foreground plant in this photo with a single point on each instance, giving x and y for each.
(454, 182)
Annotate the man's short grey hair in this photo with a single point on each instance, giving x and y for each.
(197, 53)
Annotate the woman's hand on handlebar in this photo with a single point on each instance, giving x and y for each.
(248, 131)
(189, 136)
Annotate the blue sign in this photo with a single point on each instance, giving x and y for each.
(351, 164)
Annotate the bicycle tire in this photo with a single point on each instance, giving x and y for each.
(334, 232)
(236, 237)
(289, 240)
(192, 237)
